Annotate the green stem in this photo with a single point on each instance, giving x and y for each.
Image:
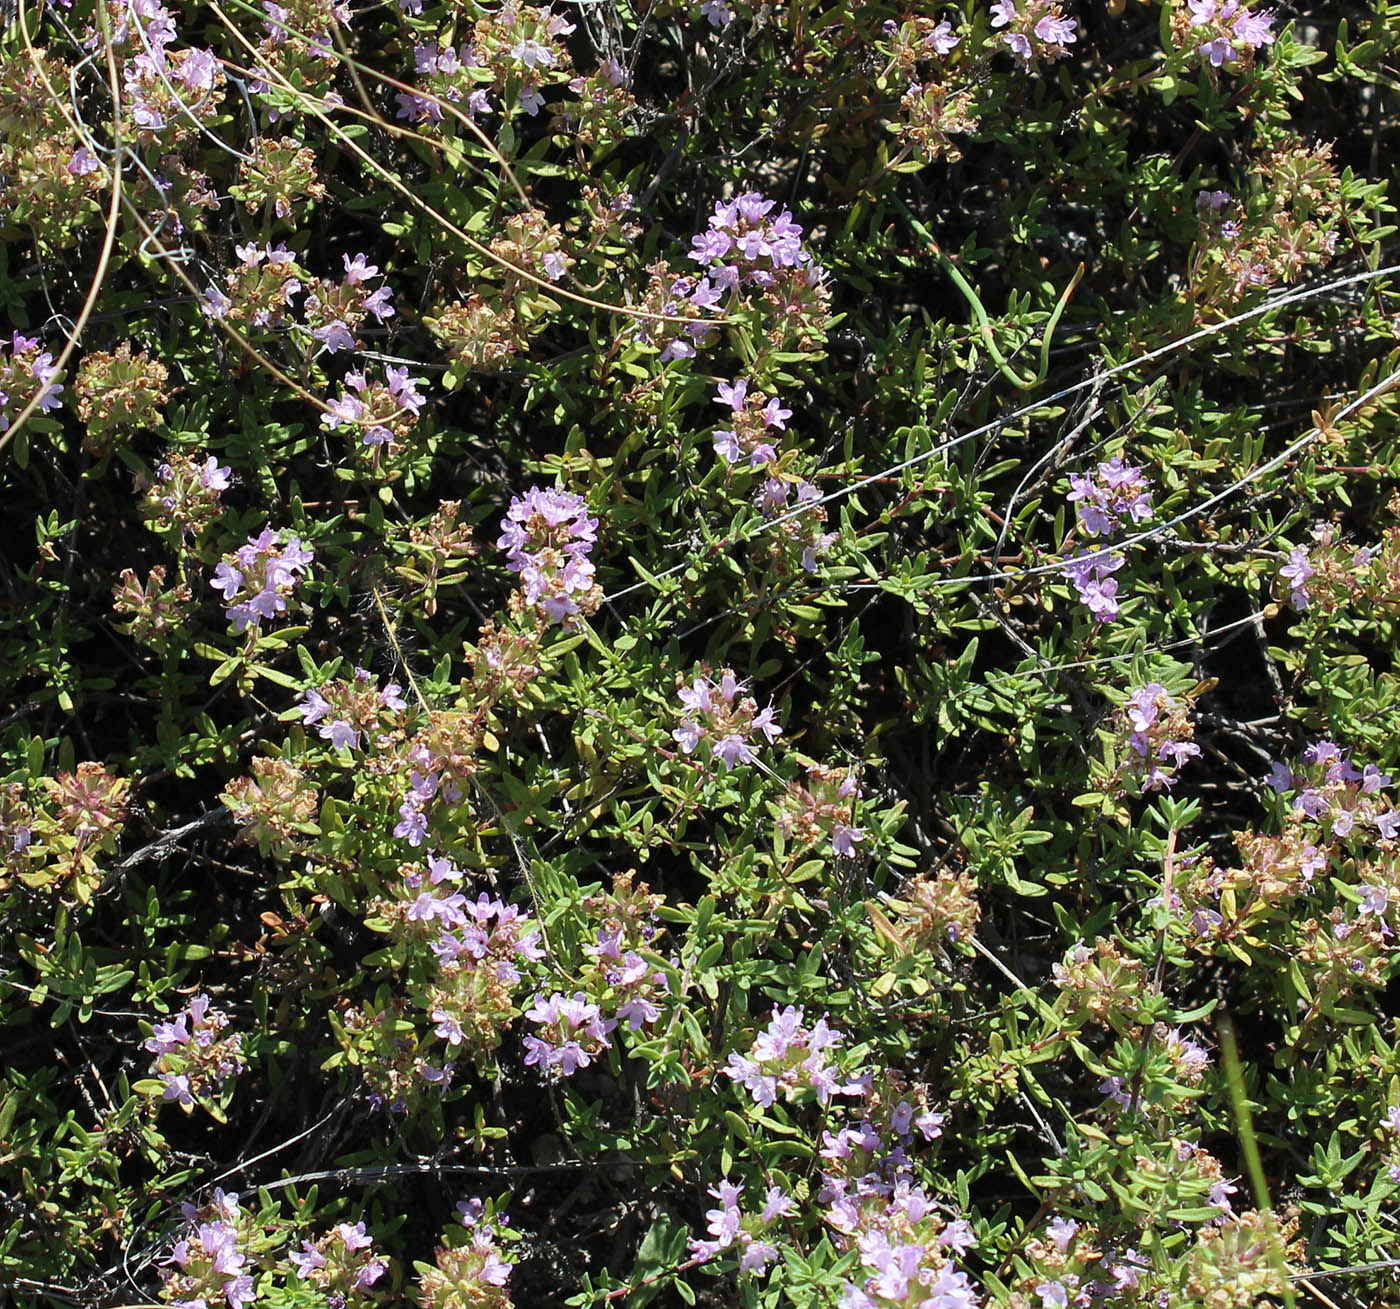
(979, 312)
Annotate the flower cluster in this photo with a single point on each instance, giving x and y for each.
(1331, 790)
(745, 251)
(873, 1152)
(276, 807)
(746, 244)
(280, 175)
(340, 1263)
(191, 1055)
(468, 1269)
(1288, 224)
(26, 371)
(747, 441)
(257, 578)
(1330, 573)
(798, 539)
(54, 830)
(435, 774)
(933, 113)
(379, 413)
(1254, 1249)
(1069, 1266)
(625, 985)
(1091, 572)
(261, 293)
(184, 497)
(875, 1205)
(518, 49)
(479, 948)
(118, 391)
(601, 113)
(824, 806)
(682, 297)
(1113, 492)
(336, 311)
(941, 92)
(45, 184)
(1034, 29)
(386, 1046)
(299, 46)
(168, 94)
(714, 711)
(154, 611)
(481, 333)
(571, 1033)
(1335, 819)
(730, 1227)
(351, 714)
(1224, 33)
(792, 1060)
(207, 1267)
(443, 76)
(935, 912)
(529, 250)
(435, 554)
(1101, 984)
(1158, 729)
(547, 536)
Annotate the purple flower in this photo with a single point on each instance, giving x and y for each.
(715, 711)
(1296, 573)
(358, 270)
(1255, 30)
(214, 476)
(177, 1087)
(1220, 1193)
(413, 822)
(1059, 31)
(83, 162)
(843, 840)
(1374, 900)
(198, 70)
(1311, 802)
(403, 389)
(335, 336)
(1091, 577)
(732, 395)
(942, 40)
(449, 1027)
(1115, 491)
(377, 303)
(1019, 45)
(1220, 51)
(547, 536)
(307, 1259)
(774, 415)
(572, 1033)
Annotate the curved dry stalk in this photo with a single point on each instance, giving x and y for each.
(358, 69)
(109, 236)
(1097, 380)
(445, 223)
(151, 237)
